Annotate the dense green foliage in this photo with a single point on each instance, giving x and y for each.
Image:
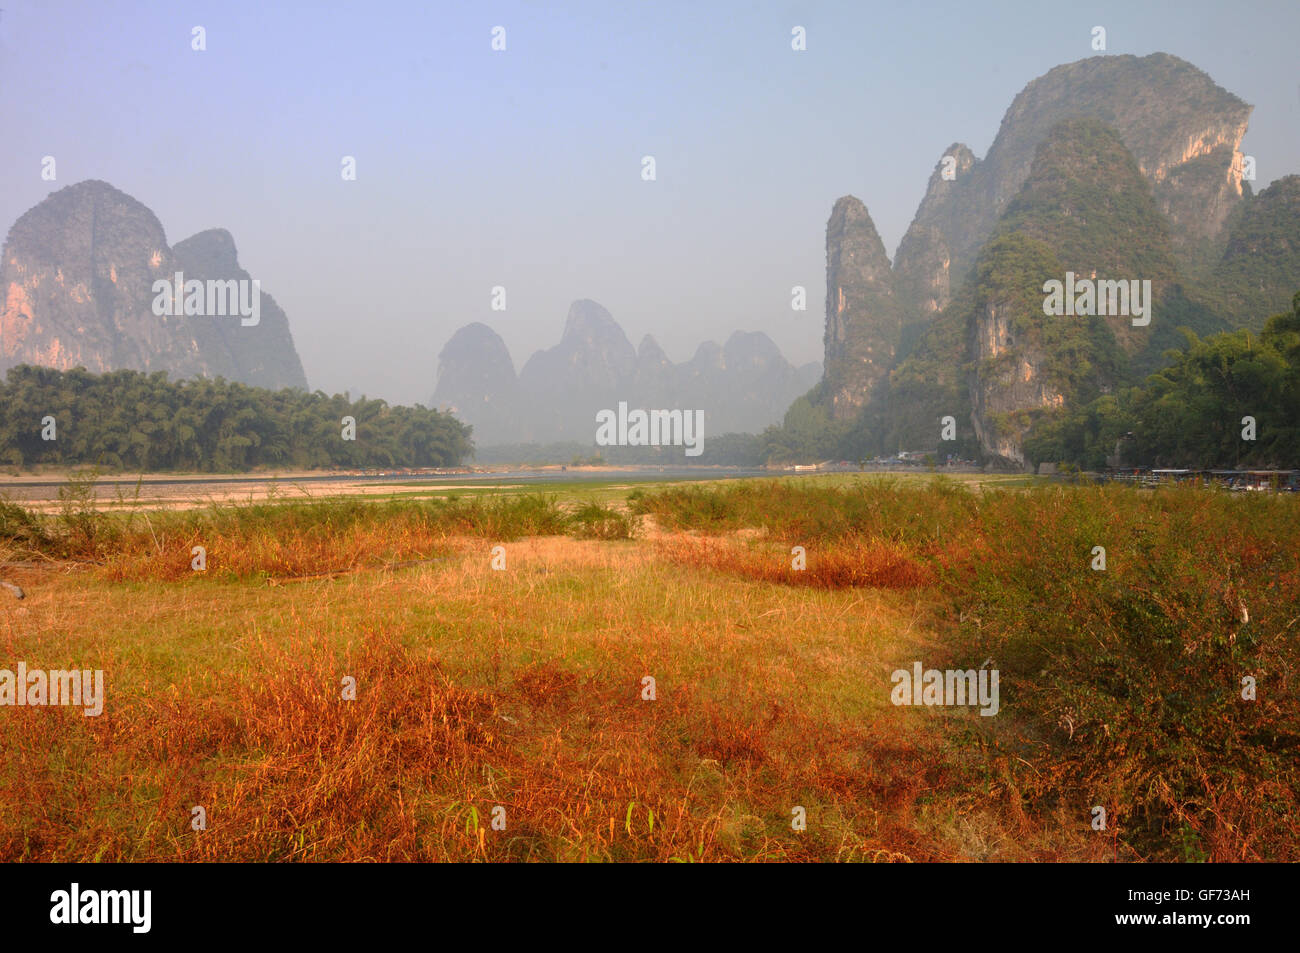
(1187, 414)
(1190, 414)
(1078, 356)
(135, 421)
(806, 433)
(1086, 199)
(931, 383)
(1256, 274)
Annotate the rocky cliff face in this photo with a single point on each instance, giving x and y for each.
(1169, 115)
(77, 278)
(1113, 167)
(77, 274)
(863, 320)
(1182, 129)
(1009, 384)
(1085, 207)
(741, 387)
(923, 265)
(262, 355)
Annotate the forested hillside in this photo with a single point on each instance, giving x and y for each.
(1192, 413)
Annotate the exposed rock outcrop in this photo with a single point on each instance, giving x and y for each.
(923, 265)
(77, 278)
(1183, 130)
(1113, 167)
(863, 319)
(1086, 208)
(262, 355)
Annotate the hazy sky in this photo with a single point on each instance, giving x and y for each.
(522, 168)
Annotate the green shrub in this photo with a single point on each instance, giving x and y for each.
(594, 521)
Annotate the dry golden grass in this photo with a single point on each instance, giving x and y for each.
(478, 688)
(521, 689)
(875, 564)
(230, 552)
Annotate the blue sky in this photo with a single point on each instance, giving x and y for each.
(522, 168)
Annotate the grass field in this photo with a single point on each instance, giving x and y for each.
(517, 694)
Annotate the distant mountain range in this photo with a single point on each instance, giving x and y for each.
(79, 275)
(742, 386)
(78, 280)
(1114, 167)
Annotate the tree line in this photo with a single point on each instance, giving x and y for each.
(129, 420)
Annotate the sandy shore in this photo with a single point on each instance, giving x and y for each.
(189, 490)
(186, 491)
